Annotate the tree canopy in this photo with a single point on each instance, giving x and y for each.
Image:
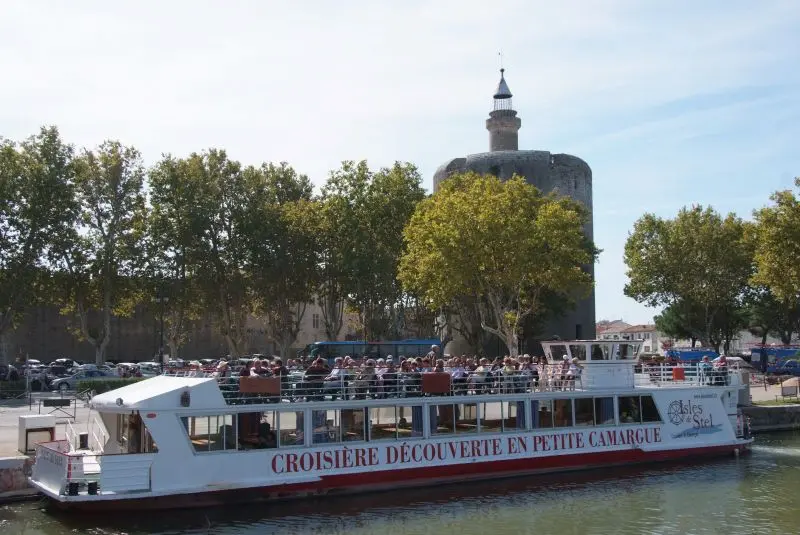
(698, 264)
(502, 240)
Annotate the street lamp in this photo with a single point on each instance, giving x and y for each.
(162, 300)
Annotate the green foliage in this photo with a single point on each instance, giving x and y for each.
(37, 208)
(777, 246)
(102, 386)
(361, 242)
(12, 389)
(104, 256)
(502, 240)
(698, 263)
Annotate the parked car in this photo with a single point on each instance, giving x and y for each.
(150, 369)
(787, 367)
(71, 382)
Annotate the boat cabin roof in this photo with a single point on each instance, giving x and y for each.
(160, 393)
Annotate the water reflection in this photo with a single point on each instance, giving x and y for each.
(753, 494)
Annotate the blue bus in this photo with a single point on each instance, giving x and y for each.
(694, 354)
(776, 357)
(359, 349)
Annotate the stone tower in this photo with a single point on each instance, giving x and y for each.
(561, 173)
(503, 123)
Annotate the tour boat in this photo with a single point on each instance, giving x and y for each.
(172, 441)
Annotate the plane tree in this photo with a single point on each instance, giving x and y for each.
(503, 242)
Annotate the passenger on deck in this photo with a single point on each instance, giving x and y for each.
(459, 374)
(390, 380)
(365, 380)
(507, 375)
(721, 369)
(258, 370)
(314, 378)
(223, 371)
(480, 379)
(706, 371)
(335, 381)
(563, 375)
(574, 373)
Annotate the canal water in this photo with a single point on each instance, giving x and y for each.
(755, 494)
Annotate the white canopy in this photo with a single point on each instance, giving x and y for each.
(161, 393)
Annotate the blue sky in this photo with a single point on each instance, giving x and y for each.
(670, 103)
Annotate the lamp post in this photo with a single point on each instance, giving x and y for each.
(161, 299)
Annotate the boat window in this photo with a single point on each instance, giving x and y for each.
(383, 423)
(604, 411)
(491, 417)
(211, 433)
(257, 429)
(599, 351)
(133, 436)
(290, 428)
(513, 415)
(353, 425)
(558, 352)
(467, 418)
(584, 411)
(578, 351)
(625, 352)
(409, 422)
(629, 411)
(442, 419)
(562, 413)
(649, 410)
(325, 426)
(544, 419)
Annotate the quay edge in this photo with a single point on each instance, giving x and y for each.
(14, 485)
(764, 419)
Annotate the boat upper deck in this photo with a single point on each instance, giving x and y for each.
(389, 384)
(582, 367)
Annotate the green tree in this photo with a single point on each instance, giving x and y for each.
(172, 251)
(363, 216)
(776, 238)
(680, 321)
(699, 259)
(282, 249)
(103, 260)
(503, 241)
(220, 221)
(37, 206)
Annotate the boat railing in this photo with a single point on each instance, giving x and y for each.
(687, 374)
(70, 473)
(347, 384)
(97, 435)
(350, 385)
(71, 435)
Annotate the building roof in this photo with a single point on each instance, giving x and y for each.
(615, 326)
(647, 328)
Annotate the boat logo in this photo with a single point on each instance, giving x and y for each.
(684, 412)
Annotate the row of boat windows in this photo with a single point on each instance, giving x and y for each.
(286, 428)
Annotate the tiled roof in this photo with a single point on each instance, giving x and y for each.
(640, 329)
(616, 326)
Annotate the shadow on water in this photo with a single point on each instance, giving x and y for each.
(322, 513)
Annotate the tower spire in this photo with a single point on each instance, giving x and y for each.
(503, 123)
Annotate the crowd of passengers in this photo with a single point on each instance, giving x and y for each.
(348, 378)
